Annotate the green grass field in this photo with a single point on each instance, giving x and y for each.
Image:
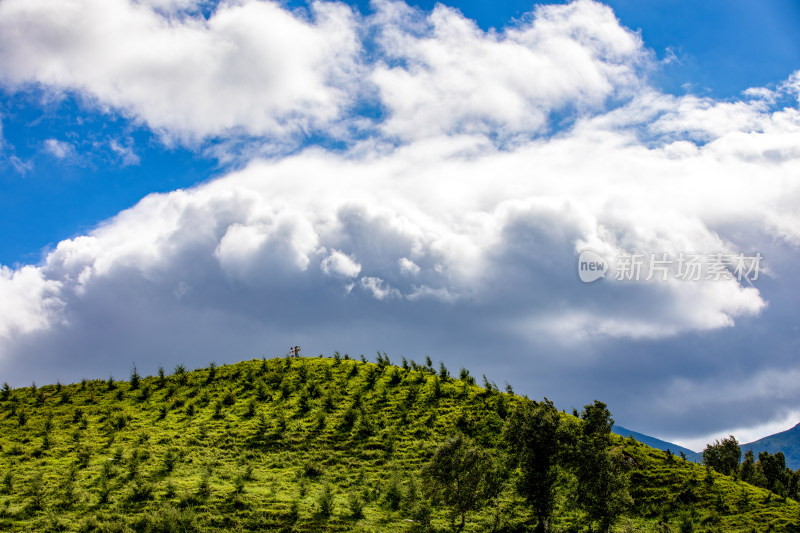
(302, 444)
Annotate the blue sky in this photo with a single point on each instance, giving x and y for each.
(414, 178)
(718, 48)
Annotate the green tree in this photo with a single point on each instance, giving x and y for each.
(532, 438)
(136, 378)
(747, 470)
(772, 467)
(793, 484)
(723, 456)
(459, 475)
(600, 470)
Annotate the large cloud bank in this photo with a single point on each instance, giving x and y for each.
(471, 168)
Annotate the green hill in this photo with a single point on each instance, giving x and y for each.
(304, 444)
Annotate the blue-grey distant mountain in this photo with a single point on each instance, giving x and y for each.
(653, 442)
(787, 442)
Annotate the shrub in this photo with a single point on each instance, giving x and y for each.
(135, 378)
(294, 512)
(170, 491)
(311, 468)
(212, 372)
(436, 393)
(133, 465)
(68, 494)
(412, 491)
(36, 491)
(348, 419)
(325, 501)
(168, 519)
(238, 485)
(393, 494)
(320, 421)
(84, 454)
(444, 374)
(421, 515)
(7, 483)
(204, 487)
(180, 374)
(261, 390)
(229, 398)
(365, 427)
(103, 490)
(355, 505)
(251, 409)
(145, 394)
(118, 422)
(170, 460)
(303, 403)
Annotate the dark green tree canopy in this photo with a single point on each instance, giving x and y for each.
(723, 456)
(533, 440)
(460, 475)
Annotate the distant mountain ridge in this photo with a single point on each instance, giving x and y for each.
(787, 442)
(653, 442)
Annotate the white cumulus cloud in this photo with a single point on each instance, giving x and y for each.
(445, 75)
(251, 68)
(453, 219)
(340, 264)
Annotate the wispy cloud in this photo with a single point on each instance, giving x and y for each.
(59, 149)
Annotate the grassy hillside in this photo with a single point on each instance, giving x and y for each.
(300, 444)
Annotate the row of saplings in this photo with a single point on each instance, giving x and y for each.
(542, 444)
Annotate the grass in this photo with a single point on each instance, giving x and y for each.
(300, 444)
